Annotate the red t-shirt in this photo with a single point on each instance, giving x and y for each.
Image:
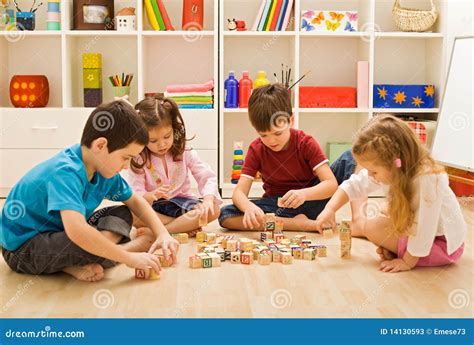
(292, 168)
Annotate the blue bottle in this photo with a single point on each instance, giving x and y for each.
(231, 87)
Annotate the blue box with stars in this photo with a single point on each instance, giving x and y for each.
(404, 96)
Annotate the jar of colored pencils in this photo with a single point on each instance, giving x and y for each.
(121, 92)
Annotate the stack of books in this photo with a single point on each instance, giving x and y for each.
(273, 15)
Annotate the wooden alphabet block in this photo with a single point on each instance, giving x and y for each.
(298, 253)
(195, 261)
(328, 233)
(200, 236)
(216, 259)
(221, 252)
(165, 261)
(264, 259)
(181, 237)
(277, 237)
(286, 258)
(148, 274)
(309, 254)
(211, 237)
(207, 262)
(276, 256)
(235, 257)
(246, 258)
(322, 251)
(231, 245)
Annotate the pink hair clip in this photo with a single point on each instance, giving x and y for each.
(398, 163)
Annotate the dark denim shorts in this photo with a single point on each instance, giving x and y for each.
(343, 168)
(175, 207)
(51, 252)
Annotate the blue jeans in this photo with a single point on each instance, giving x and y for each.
(342, 168)
(175, 207)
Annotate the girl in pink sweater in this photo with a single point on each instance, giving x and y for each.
(160, 173)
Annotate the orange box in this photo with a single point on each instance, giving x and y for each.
(29, 91)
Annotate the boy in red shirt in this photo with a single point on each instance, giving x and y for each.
(292, 164)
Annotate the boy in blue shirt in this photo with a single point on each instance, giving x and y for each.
(48, 223)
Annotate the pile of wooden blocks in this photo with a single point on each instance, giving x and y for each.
(214, 249)
(345, 238)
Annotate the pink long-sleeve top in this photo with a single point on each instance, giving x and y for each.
(177, 177)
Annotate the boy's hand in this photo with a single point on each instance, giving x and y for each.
(254, 217)
(293, 199)
(143, 261)
(168, 245)
(327, 217)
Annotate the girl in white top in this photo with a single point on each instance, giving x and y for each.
(423, 224)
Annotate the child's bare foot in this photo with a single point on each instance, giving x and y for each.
(87, 273)
(385, 254)
(140, 243)
(137, 232)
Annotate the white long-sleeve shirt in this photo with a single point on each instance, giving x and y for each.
(176, 176)
(437, 211)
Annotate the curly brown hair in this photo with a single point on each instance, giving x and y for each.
(160, 111)
(384, 139)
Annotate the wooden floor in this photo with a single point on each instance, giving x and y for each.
(327, 287)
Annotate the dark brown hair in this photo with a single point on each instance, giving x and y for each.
(160, 111)
(270, 106)
(116, 121)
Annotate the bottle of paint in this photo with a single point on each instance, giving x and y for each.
(261, 79)
(245, 90)
(231, 87)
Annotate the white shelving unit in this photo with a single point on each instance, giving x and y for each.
(29, 136)
(156, 59)
(394, 58)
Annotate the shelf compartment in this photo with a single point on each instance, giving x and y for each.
(19, 58)
(193, 59)
(408, 62)
(119, 55)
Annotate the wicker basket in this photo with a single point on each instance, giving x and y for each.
(408, 19)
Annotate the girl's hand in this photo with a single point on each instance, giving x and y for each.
(254, 217)
(293, 199)
(325, 218)
(395, 265)
(168, 245)
(160, 192)
(143, 261)
(206, 210)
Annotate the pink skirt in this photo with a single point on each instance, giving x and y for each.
(438, 255)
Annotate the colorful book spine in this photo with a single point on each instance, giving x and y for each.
(281, 17)
(151, 15)
(261, 25)
(259, 16)
(158, 16)
(286, 21)
(270, 15)
(164, 14)
(273, 25)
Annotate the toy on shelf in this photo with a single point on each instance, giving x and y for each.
(121, 85)
(410, 19)
(29, 91)
(125, 19)
(231, 88)
(192, 96)
(236, 25)
(238, 161)
(53, 15)
(4, 15)
(92, 79)
(193, 15)
(404, 96)
(329, 21)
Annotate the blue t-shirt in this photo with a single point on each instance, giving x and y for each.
(60, 183)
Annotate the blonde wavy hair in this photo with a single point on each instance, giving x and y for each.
(383, 140)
